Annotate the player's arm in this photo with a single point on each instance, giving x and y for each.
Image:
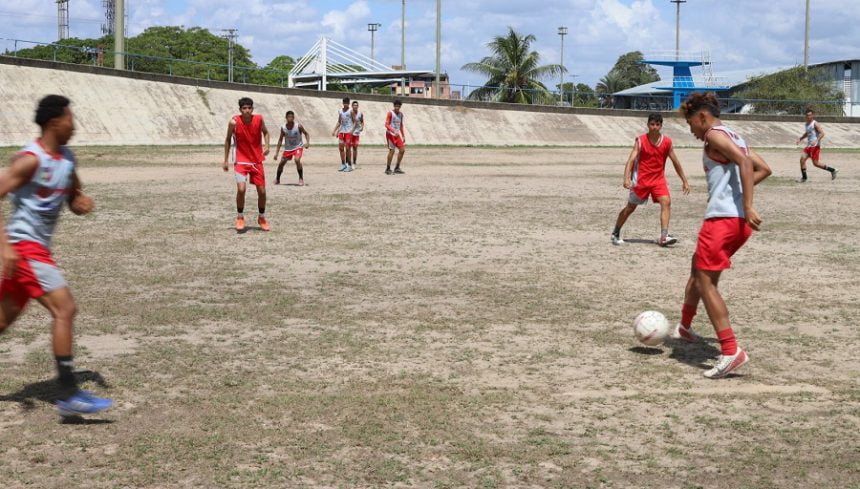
(761, 169)
(628, 167)
(402, 127)
(820, 133)
(679, 170)
(720, 143)
(278, 148)
(805, 132)
(227, 142)
(79, 203)
(336, 125)
(21, 169)
(388, 125)
(306, 135)
(362, 123)
(265, 137)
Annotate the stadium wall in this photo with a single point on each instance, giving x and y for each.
(128, 108)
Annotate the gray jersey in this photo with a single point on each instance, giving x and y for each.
(725, 193)
(345, 121)
(811, 134)
(292, 137)
(359, 118)
(36, 206)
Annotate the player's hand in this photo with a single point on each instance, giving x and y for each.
(308, 146)
(753, 219)
(334, 134)
(266, 151)
(628, 183)
(686, 187)
(226, 168)
(10, 260)
(82, 205)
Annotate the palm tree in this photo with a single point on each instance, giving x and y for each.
(514, 71)
(613, 82)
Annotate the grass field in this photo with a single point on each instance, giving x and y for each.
(464, 325)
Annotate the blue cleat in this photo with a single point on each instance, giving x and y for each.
(82, 402)
(343, 167)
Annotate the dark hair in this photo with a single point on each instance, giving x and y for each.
(51, 107)
(355, 101)
(245, 101)
(346, 100)
(655, 117)
(809, 111)
(397, 102)
(698, 101)
(290, 112)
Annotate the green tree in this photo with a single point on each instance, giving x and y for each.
(72, 50)
(609, 84)
(579, 95)
(792, 91)
(632, 72)
(514, 71)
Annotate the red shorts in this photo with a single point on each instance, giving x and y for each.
(394, 141)
(813, 152)
(639, 194)
(35, 275)
(296, 152)
(354, 141)
(719, 239)
(252, 172)
(345, 138)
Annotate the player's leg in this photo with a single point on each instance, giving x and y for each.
(10, 309)
(300, 169)
(622, 218)
(258, 179)
(732, 356)
(665, 214)
(354, 152)
(684, 330)
(402, 151)
(803, 158)
(343, 157)
(816, 160)
(241, 186)
(283, 162)
(390, 157)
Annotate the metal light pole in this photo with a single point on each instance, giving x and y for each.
(403, 36)
(806, 38)
(231, 40)
(373, 28)
(438, 47)
(562, 31)
(119, 35)
(678, 27)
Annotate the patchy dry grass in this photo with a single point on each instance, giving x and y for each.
(462, 326)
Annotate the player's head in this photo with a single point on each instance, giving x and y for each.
(54, 115)
(397, 104)
(700, 110)
(345, 102)
(655, 122)
(246, 105)
(810, 114)
(355, 106)
(291, 116)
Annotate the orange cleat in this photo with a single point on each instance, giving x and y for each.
(240, 224)
(264, 224)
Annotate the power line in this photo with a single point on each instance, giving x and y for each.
(53, 18)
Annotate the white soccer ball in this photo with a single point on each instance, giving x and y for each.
(651, 328)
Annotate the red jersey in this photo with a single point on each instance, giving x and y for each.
(248, 137)
(649, 165)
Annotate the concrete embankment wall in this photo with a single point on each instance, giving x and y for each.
(119, 108)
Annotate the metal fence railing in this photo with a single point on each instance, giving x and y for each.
(270, 77)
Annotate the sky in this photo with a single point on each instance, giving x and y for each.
(739, 34)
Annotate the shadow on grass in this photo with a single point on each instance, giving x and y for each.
(48, 391)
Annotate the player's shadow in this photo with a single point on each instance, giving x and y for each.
(694, 354)
(646, 350)
(48, 391)
(639, 241)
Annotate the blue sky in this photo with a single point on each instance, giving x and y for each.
(740, 34)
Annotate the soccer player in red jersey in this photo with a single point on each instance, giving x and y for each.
(42, 179)
(732, 170)
(644, 176)
(247, 129)
(395, 135)
(291, 136)
(813, 134)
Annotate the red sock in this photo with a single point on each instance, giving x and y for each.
(688, 312)
(728, 342)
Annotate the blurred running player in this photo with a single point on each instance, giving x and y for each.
(40, 179)
(395, 135)
(813, 134)
(247, 130)
(291, 136)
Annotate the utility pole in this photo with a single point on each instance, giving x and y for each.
(806, 39)
(403, 36)
(62, 19)
(231, 41)
(438, 48)
(562, 31)
(373, 28)
(678, 27)
(119, 35)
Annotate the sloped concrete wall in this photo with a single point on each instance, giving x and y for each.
(130, 108)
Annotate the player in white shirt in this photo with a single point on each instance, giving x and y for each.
(294, 148)
(813, 134)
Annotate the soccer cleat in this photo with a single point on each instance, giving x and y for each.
(667, 241)
(347, 169)
(727, 364)
(301, 183)
(277, 182)
(343, 167)
(399, 171)
(803, 180)
(240, 224)
(686, 334)
(264, 224)
(82, 402)
(833, 174)
(616, 240)
(388, 171)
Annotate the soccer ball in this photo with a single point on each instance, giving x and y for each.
(651, 328)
